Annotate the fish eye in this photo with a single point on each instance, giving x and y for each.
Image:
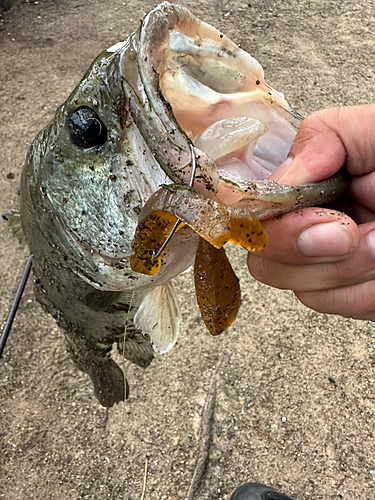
(86, 128)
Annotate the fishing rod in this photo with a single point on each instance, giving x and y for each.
(15, 304)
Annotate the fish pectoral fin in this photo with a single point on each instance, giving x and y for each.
(159, 317)
(99, 300)
(13, 217)
(137, 349)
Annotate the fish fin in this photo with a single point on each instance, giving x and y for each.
(14, 221)
(159, 316)
(110, 386)
(112, 302)
(99, 300)
(138, 349)
(129, 300)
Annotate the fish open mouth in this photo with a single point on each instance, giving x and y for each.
(196, 87)
(218, 96)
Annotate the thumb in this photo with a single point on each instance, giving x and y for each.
(328, 139)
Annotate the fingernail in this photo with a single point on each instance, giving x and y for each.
(280, 171)
(371, 242)
(325, 240)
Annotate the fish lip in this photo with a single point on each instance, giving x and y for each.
(166, 140)
(153, 31)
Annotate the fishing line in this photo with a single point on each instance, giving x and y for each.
(15, 304)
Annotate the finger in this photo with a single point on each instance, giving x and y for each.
(363, 189)
(355, 301)
(310, 235)
(357, 211)
(356, 268)
(328, 139)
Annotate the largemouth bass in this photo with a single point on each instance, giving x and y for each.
(125, 130)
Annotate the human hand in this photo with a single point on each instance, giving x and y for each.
(324, 256)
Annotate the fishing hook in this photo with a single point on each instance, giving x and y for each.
(15, 304)
(178, 221)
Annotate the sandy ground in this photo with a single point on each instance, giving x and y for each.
(295, 389)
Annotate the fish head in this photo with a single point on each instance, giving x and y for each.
(127, 128)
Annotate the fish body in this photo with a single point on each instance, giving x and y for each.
(125, 130)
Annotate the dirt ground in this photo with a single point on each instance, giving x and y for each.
(295, 389)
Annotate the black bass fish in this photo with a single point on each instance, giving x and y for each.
(125, 130)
